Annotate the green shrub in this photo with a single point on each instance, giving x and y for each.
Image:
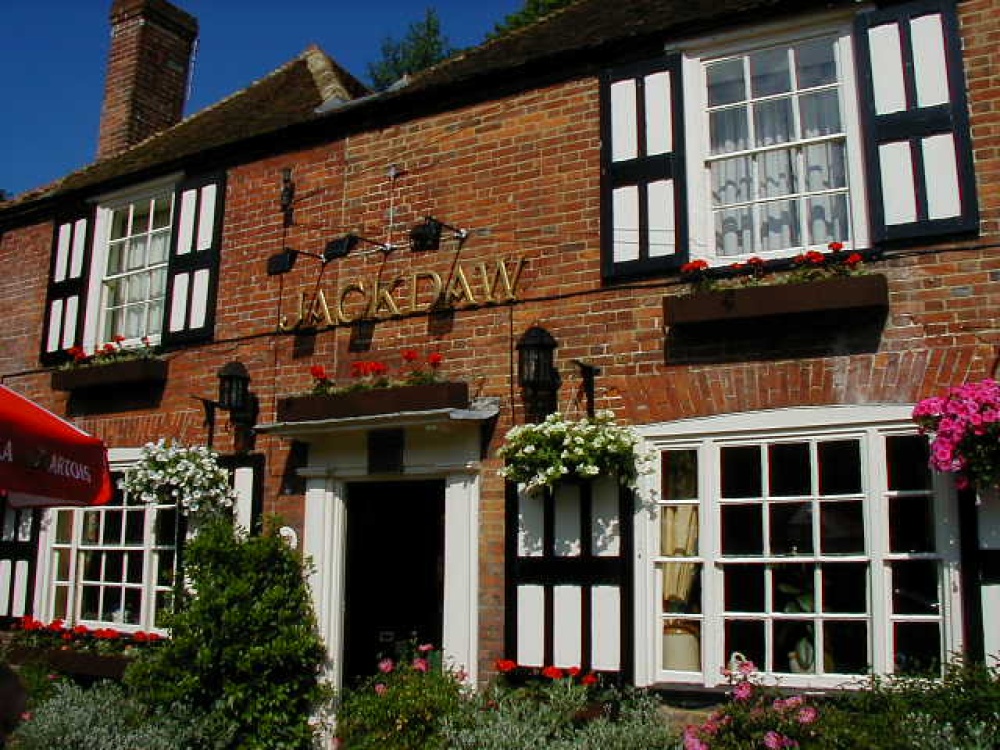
(559, 714)
(401, 707)
(244, 650)
(104, 717)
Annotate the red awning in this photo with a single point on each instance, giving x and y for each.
(46, 461)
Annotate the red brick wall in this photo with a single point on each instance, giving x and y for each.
(522, 175)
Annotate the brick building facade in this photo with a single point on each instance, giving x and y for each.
(585, 160)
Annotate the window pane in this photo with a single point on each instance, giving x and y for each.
(679, 531)
(136, 253)
(769, 72)
(741, 475)
(820, 114)
(791, 528)
(166, 527)
(90, 566)
(842, 527)
(915, 587)
(907, 457)
(140, 216)
(793, 589)
(731, 181)
(132, 606)
(133, 561)
(845, 587)
(158, 245)
(744, 588)
(165, 568)
(161, 213)
(116, 257)
(89, 597)
(911, 524)
(742, 530)
(91, 526)
(134, 525)
(745, 637)
(680, 475)
(111, 605)
(734, 232)
(917, 648)
(773, 123)
(794, 647)
(729, 130)
(114, 567)
(839, 467)
(815, 64)
(138, 288)
(64, 526)
(62, 558)
(725, 83)
(828, 219)
(112, 528)
(779, 225)
(825, 166)
(682, 645)
(788, 469)
(681, 587)
(776, 174)
(846, 647)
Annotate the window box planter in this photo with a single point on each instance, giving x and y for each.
(746, 303)
(106, 666)
(405, 398)
(145, 370)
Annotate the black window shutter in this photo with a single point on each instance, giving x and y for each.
(914, 112)
(66, 298)
(193, 273)
(643, 192)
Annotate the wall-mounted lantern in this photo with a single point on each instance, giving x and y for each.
(234, 397)
(426, 236)
(537, 374)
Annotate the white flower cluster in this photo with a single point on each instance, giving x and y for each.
(191, 476)
(540, 455)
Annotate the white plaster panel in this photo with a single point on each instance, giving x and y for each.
(567, 626)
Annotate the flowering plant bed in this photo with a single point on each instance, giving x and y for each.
(557, 449)
(965, 425)
(748, 302)
(359, 403)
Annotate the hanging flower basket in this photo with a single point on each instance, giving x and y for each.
(557, 449)
(965, 429)
(190, 476)
(386, 400)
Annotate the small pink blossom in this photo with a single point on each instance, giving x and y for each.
(380, 688)
(777, 741)
(743, 691)
(421, 665)
(386, 666)
(424, 648)
(807, 715)
(692, 741)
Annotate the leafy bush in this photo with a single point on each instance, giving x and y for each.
(400, 707)
(104, 717)
(244, 649)
(559, 714)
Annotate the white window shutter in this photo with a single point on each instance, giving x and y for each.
(913, 103)
(193, 274)
(643, 221)
(66, 298)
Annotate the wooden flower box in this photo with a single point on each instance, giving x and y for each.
(68, 661)
(407, 398)
(746, 303)
(144, 370)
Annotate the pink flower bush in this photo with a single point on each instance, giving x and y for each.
(965, 424)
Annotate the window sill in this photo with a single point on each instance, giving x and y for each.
(746, 303)
(145, 370)
(410, 398)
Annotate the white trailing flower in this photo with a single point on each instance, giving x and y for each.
(541, 455)
(190, 475)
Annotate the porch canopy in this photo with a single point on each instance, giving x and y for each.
(45, 461)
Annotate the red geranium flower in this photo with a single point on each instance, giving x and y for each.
(694, 266)
(435, 359)
(836, 246)
(505, 665)
(553, 673)
(589, 679)
(410, 355)
(319, 372)
(853, 259)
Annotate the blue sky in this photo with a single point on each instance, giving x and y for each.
(52, 58)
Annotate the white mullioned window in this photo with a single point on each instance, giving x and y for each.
(780, 154)
(135, 274)
(821, 553)
(111, 566)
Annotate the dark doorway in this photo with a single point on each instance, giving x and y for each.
(394, 590)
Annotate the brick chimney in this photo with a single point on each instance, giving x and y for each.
(148, 64)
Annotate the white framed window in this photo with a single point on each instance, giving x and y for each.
(112, 565)
(821, 547)
(134, 278)
(141, 264)
(778, 164)
(847, 126)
